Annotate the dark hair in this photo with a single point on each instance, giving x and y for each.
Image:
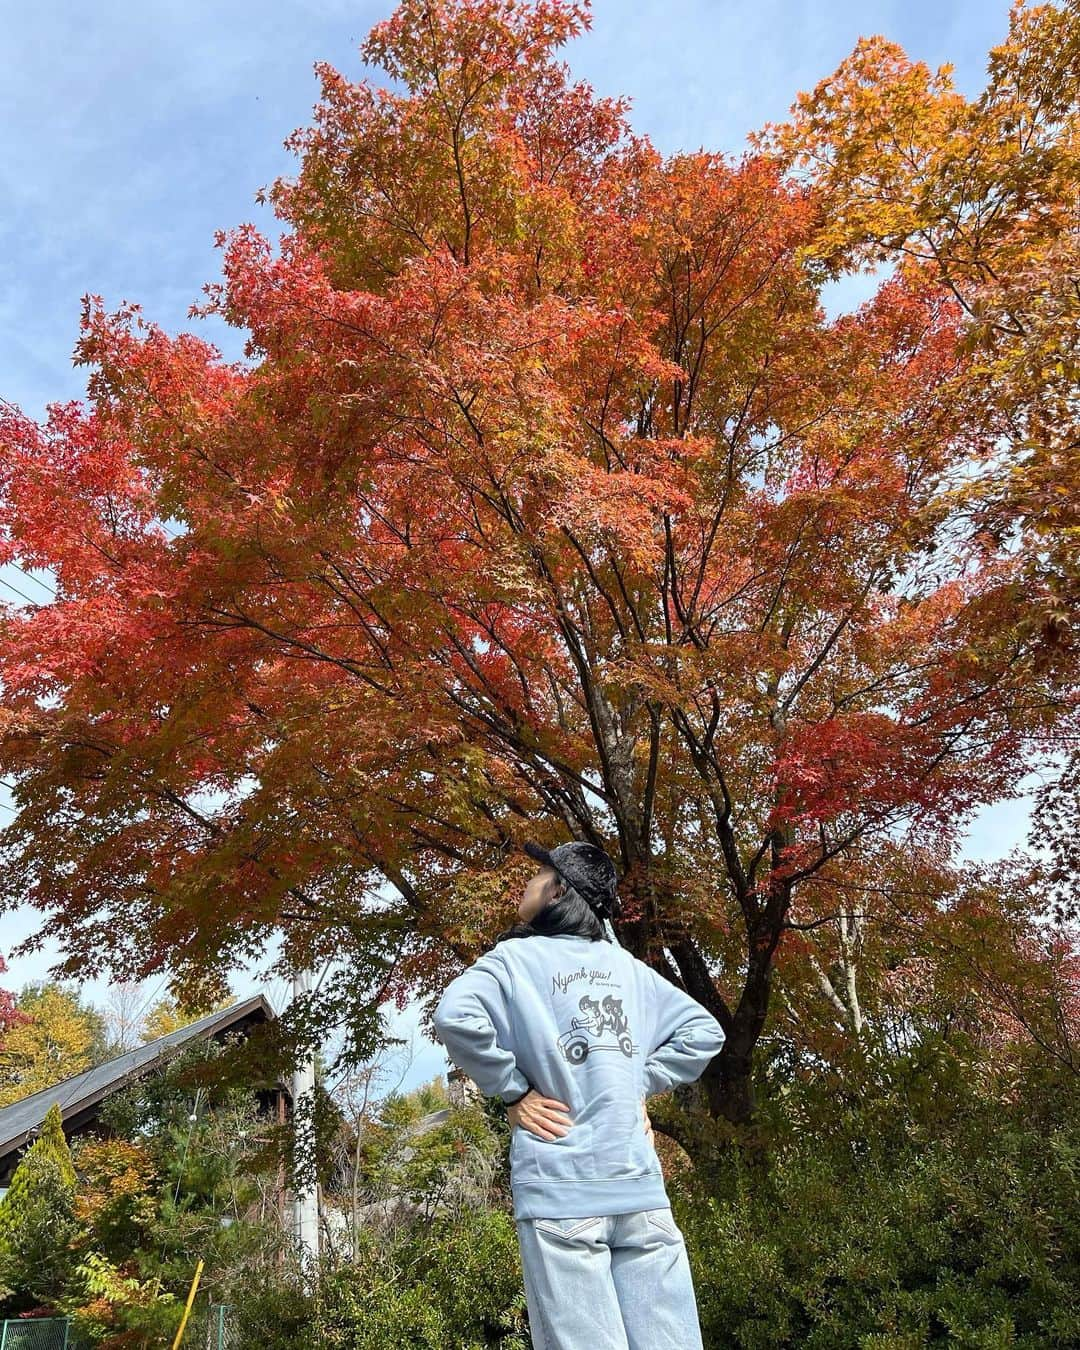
(565, 912)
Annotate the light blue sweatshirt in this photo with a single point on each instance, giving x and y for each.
(590, 1025)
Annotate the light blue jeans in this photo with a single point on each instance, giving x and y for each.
(614, 1282)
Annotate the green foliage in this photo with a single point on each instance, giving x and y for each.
(108, 1307)
(359, 1314)
(166, 1098)
(448, 1275)
(38, 1226)
(51, 1146)
(452, 1282)
(216, 1185)
(37, 1253)
(116, 1245)
(269, 1313)
(117, 1197)
(473, 1269)
(914, 1207)
(459, 1163)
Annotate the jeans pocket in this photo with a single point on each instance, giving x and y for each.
(567, 1228)
(664, 1220)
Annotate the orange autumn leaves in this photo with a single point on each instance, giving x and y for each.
(548, 497)
(980, 198)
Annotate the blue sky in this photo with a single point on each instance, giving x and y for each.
(130, 132)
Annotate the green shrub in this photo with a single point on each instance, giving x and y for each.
(38, 1227)
(455, 1281)
(473, 1270)
(358, 1310)
(264, 1315)
(896, 1220)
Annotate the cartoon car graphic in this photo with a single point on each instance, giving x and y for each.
(587, 1033)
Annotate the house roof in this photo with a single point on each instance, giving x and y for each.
(428, 1122)
(80, 1096)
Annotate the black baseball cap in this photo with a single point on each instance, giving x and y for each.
(585, 867)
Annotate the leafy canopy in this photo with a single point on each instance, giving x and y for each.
(548, 499)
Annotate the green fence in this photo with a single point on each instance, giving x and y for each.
(38, 1333)
(215, 1330)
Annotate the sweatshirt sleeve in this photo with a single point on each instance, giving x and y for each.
(473, 1022)
(685, 1039)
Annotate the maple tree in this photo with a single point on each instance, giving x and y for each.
(547, 500)
(116, 1192)
(10, 1016)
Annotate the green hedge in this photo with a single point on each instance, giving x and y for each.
(880, 1227)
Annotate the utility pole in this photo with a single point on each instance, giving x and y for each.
(305, 1182)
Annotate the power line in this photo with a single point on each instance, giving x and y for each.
(43, 584)
(151, 996)
(28, 598)
(11, 788)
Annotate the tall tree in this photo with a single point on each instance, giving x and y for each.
(125, 1005)
(548, 501)
(38, 1227)
(60, 1036)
